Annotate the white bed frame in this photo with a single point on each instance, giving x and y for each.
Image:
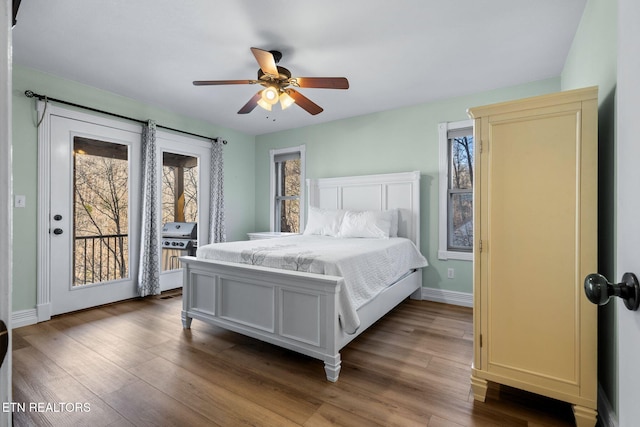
(297, 310)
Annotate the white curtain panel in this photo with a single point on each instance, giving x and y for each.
(217, 232)
(149, 272)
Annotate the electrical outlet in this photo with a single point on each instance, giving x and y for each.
(20, 201)
(451, 273)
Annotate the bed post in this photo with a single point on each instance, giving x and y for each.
(417, 295)
(332, 367)
(332, 361)
(186, 295)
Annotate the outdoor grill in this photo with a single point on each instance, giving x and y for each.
(180, 235)
(178, 239)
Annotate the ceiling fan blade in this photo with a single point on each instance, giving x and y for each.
(222, 82)
(304, 102)
(249, 106)
(266, 61)
(323, 82)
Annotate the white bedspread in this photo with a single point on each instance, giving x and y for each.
(366, 265)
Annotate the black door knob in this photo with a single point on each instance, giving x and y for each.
(4, 341)
(599, 290)
(57, 231)
(57, 217)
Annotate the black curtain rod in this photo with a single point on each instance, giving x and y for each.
(31, 94)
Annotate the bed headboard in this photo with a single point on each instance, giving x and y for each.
(373, 192)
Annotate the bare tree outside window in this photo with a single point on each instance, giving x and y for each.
(288, 195)
(101, 211)
(286, 189)
(460, 235)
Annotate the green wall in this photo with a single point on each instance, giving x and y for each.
(239, 160)
(399, 140)
(592, 61)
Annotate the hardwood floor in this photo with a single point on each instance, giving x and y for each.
(131, 363)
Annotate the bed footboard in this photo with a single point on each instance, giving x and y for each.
(290, 309)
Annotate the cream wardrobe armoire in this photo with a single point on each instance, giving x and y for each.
(535, 240)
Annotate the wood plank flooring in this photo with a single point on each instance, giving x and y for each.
(132, 364)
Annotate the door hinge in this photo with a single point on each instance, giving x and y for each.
(483, 145)
(480, 340)
(480, 248)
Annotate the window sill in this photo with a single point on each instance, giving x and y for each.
(462, 256)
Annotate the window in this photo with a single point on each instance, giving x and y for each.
(287, 189)
(456, 190)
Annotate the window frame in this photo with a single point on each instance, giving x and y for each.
(444, 252)
(274, 226)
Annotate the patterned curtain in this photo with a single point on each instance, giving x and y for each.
(149, 272)
(217, 232)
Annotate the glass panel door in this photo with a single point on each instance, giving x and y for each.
(183, 170)
(94, 205)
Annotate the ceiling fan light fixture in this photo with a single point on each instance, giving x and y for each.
(270, 95)
(286, 101)
(277, 85)
(264, 104)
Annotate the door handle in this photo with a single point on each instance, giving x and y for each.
(599, 291)
(4, 341)
(57, 231)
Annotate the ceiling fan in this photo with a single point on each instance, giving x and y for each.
(279, 85)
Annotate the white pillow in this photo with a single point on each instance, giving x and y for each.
(325, 222)
(372, 224)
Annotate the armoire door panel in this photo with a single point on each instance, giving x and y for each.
(532, 244)
(535, 238)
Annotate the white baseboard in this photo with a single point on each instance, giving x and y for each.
(24, 318)
(607, 415)
(448, 297)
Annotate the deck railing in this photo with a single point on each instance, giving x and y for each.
(100, 258)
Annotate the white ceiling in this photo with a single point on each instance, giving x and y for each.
(394, 54)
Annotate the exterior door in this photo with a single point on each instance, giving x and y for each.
(94, 194)
(184, 171)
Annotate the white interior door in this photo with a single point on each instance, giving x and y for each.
(627, 206)
(5, 204)
(94, 194)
